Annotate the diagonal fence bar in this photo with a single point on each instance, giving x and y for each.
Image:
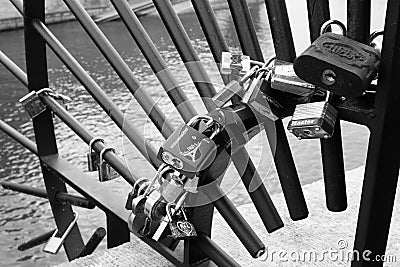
(150, 107)
(259, 196)
(153, 57)
(9, 64)
(143, 145)
(279, 144)
(331, 149)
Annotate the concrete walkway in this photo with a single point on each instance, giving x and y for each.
(324, 237)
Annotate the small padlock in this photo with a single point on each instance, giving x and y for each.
(256, 99)
(32, 104)
(181, 228)
(338, 64)
(171, 187)
(313, 120)
(283, 78)
(234, 62)
(106, 172)
(92, 156)
(135, 192)
(154, 206)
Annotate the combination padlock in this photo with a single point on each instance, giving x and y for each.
(234, 62)
(33, 104)
(106, 172)
(188, 149)
(283, 78)
(313, 120)
(93, 157)
(338, 64)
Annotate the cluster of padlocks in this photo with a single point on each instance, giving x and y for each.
(333, 65)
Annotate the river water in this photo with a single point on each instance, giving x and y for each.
(23, 217)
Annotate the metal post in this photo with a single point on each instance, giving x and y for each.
(36, 65)
(359, 20)
(331, 149)
(36, 241)
(143, 145)
(383, 158)
(153, 57)
(117, 231)
(93, 242)
(276, 135)
(121, 68)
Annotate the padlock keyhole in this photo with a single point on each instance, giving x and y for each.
(328, 77)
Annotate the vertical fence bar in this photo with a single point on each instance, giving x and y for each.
(36, 65)
(121, 68)
(117, 231)
(241, 159)
(359, 20)
(383, 158)
(331, 149)
(278, 142)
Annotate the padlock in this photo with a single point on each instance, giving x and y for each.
(171, 187)
(234, 62)
(188, 149)
(92, 156)
(135, 192)
(256, 99)
(313, 120)
(165, 222)
(32, 104)
(154, 206)
(106, 172)
(55, 242)
(181, 228)
(338, 64)
(283, 78)
(233, 88)
(60, 98)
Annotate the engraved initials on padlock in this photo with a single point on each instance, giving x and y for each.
(180, 228)
(106, 172)
(93, 157)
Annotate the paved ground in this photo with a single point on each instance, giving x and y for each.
(325, 237)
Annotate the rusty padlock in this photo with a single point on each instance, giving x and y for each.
(338, 64)
(313, 120)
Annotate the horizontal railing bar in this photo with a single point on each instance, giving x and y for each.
(39, 192)
(14, 69)
(214, 252)
(235, 220)
(121, 68)
(34, 242)
(143, 145)
(93, 242)
(101, 194)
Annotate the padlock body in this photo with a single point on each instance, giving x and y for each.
(188, 150)
(106, 172)
(93, 159)
(32, 104)
(171, 190)
(237, 62)
(182, 229)
(284, 78)
(313, 120)
(338, 64)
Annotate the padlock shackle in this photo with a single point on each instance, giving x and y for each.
(196, 118)
(93, 141)
(104, 150)
(45, 91)
(374, 35)
(330, 22)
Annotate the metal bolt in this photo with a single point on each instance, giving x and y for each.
(328, 77)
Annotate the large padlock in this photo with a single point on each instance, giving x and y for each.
(180, 227)
(313, 120)
(338, 64)
(93, 157)
(33, 104)
(234, 62)
(283, 78)
(188, 149)
(106, 172)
